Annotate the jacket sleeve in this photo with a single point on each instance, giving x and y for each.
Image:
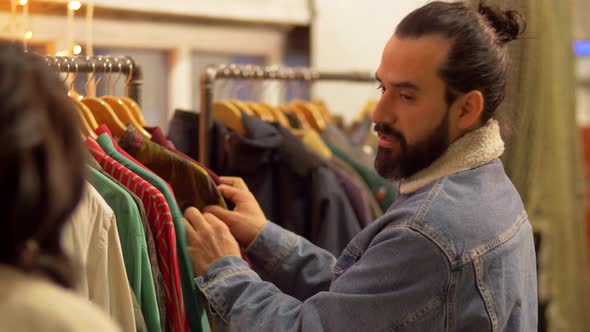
(400, 280)
(292, 263)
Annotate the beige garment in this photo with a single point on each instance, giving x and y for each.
(32, 303)
(92, 240)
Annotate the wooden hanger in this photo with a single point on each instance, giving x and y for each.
(321, 106)
(276, 113)
(88, 124)
(87, 130)
(135, 109)
(102, 112)
(242, 106)
(290, 109)
(229, 115)
(262, 113)
(124, 113)
(311, 114)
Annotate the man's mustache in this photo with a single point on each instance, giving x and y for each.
(386, 130)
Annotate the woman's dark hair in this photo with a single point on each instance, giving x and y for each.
(41, 165)
(478, 58)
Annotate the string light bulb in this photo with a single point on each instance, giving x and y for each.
(74, 5)
(29, 34)
(23, 2)
(77, 49)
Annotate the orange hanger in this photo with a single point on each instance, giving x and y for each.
(121, 110)
(261, 112)
(312, 115)
(102, 112)
(87, 130)
(291, 109)
(135, 109)
(125, 114)
(276, 113)
(321, 106)
(87, 122)
(229, 115)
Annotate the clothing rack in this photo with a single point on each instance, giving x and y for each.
(251, 72)
(101, 64)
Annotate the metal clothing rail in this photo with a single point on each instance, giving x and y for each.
(101, 64)
(250, 72)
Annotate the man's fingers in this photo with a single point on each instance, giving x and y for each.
(235, 182)
(222, 214)
(190, 231)
(234, 194)
(194, 218)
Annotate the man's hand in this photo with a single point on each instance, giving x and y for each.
(247, 219)
(208, 238)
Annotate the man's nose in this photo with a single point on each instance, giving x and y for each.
(383, 112)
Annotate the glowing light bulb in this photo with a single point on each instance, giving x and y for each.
(23, 2)
(74, 5)
(29, 34)
(77, 49)
(60, 53)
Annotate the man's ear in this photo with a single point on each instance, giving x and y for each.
(470, 108)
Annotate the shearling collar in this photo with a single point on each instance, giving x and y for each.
(470, 151)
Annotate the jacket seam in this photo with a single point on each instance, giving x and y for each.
(482, 250)
(485, 295)
(229, 273)
(422, 212)
(433, 303)
(271, 266)
(450, 308)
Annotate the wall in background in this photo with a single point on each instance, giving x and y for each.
(350, 35)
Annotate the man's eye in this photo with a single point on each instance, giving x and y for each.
(381, 88)
(406, 97)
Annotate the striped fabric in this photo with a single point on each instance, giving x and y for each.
(162, 227)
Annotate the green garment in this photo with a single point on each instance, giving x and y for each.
(133, 245)
(195, 313)
(382, 189)
(151, 244)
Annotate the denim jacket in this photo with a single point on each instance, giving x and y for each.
(454, 253)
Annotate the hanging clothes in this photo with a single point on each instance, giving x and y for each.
(161, 224)
(90, 238)
(159, 138)
(133, 244)
(339, 139)
(383, 190)
(191, 183)
(291, 184)
(184, 131)
(195, 314)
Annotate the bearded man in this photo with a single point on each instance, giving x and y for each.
(454, 252)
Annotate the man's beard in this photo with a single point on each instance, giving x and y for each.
(411, 159)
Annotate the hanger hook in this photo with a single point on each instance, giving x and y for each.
(100, 78)
(75, 73)
(90, 75)
(109, 66)
(120, 65)
(67, 70)
(131, 68)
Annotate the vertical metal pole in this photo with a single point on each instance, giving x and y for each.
(207, 81)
